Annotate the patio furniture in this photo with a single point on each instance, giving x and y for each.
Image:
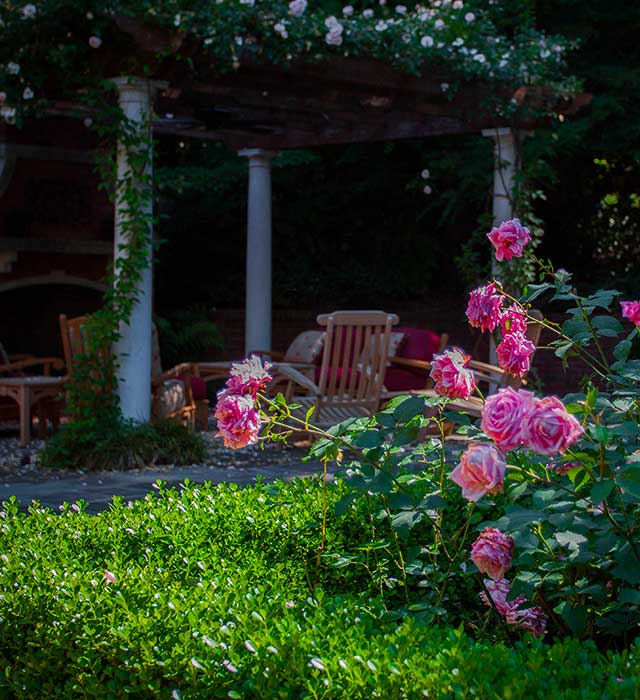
(29, 392)
(20, 365)
(171, 390)
(354, 362)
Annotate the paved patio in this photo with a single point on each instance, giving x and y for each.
(98, 488)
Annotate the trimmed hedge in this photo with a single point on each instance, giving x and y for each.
(211, 600)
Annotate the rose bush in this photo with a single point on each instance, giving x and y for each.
(547, 491)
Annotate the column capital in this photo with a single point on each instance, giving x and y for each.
(257, 154)
(131, 86)
(506, 133)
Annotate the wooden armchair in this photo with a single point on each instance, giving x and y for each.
(354, 361)
(24, 364)
(171, 390)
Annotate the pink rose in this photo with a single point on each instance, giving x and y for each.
(550, 429)
(504, 417)
(109, 577)
(451, 376)
(513, 320)
(248, 376)
(483, 310)
(530, 619)
(237, 419)
(631, 311)
(514, 354)
(498, 591)
(492, 552)
(509, 239)
(481, 470)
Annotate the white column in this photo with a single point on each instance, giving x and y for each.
(257, 335)
(505, 153)
(133, 349)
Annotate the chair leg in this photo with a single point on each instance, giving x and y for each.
(202, 414)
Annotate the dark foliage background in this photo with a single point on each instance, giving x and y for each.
(352, 224)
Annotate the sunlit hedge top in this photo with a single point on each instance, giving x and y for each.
(60, 46)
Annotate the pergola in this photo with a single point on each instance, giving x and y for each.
(259, 110)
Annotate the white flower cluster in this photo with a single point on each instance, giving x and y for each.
(334, 36)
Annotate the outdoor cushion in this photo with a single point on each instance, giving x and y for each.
(306, 347)
(418, 345)
(171, 397)
(198, 387)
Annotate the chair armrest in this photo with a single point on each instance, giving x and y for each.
(295, 376)
(423, 365)
(47, 363)
(181, 371)
(486, 368)
(20, 356)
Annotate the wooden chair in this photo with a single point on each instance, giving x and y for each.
(171, 392)
(18, 365)
(354, 362)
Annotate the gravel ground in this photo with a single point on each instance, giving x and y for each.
(20, 464)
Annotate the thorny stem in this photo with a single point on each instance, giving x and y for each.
(323, 529)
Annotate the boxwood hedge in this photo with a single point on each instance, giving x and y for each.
(205, 593)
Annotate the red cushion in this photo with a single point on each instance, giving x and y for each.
(418, 344)
(198, 388)
(400, 379)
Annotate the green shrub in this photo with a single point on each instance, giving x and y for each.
(211, 599)
(119, 444)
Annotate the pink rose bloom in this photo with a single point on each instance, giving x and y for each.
(498, 591)
(504, 417)
(483, 309)
(530, 619)
(492, 552)
(237, 419)
(451, 376)
(109, 577)
(514, 354)
(248, 376)
(631, 311)
(513, 320)
(550, 429)
(481, 470)
(509, 239)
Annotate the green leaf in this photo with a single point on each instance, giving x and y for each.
(533, 291)
(621, 350)
(601, 490)
(409, 408)
(405, 520)
(568, 537)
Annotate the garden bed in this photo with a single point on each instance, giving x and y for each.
(207, 592)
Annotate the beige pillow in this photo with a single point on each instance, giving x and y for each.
(306, 347)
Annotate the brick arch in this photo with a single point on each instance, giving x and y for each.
(55, 278)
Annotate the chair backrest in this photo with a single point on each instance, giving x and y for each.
(74, 340)
(354, 358)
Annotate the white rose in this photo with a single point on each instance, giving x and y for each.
(426, 41)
